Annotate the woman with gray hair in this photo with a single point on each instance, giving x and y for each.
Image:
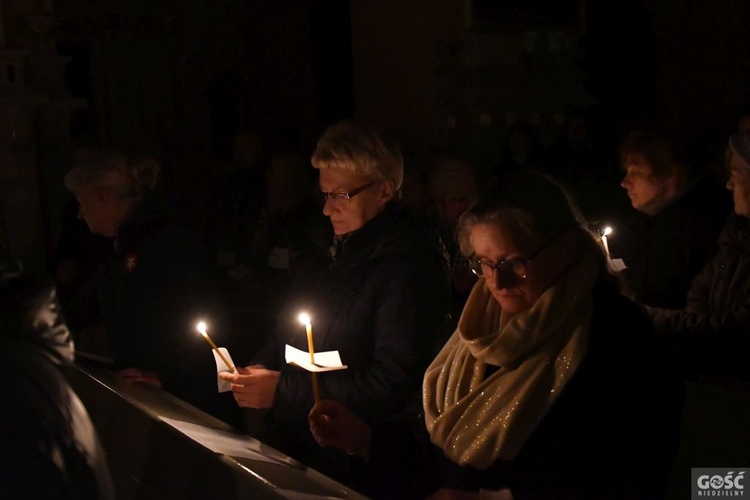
(712, 331)
(545, 388)
(108, 188)
(154, 286)
(376, 287)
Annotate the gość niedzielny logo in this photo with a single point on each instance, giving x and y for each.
(720, 483)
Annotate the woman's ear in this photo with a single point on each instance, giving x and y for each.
(386, 191)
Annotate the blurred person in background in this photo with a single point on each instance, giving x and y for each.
(712, 331)
(154, 286)
(49, 447)
(671, 231)
(452, 188)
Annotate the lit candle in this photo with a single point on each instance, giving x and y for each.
(201, 327)
(607, 231)
(304, 318)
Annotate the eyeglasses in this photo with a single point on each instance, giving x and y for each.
(516, 266)
(336, 196)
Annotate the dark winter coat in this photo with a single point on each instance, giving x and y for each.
(150, 293)
(664, 252)
(381, 303)
(713, 330)
(614, 431)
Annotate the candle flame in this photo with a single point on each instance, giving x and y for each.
(607, 231)
(304, 318)
(201, 327)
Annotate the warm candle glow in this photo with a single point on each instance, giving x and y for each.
(304, 318)
(201, 327)
(607, 231)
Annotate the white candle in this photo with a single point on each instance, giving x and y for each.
(201, 327)
(304, 318)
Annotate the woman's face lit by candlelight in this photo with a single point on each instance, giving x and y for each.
(643, 187)
(492, 243)
(348, 215)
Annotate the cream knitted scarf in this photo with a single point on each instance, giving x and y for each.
(477, 421)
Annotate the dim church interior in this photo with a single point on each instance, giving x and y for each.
(51, 55)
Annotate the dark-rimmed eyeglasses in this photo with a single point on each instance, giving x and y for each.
(337, 195)
(517, 266)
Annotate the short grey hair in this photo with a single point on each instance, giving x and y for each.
(360, 149)
(112, 171)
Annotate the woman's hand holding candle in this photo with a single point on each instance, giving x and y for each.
(333, 424)
(253, 386)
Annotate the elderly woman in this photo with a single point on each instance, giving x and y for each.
(376, 287)
(153, 287)
(712, 332)
(549, 386)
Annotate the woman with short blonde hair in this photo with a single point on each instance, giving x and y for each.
(360, 149)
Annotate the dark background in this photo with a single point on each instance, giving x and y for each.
(176, 79)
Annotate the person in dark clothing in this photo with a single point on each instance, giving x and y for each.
(453, 188)
(712, 331)
(48, 445)
(78, 252)
(545, 390)
(376, 286)
(671, 233)
(155, 285)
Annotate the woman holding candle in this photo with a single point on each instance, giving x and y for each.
(152, 287)
(677, 212)
(543, 388)
(375, 285)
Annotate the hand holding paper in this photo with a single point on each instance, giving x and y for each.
(254, 386)
(618, 265)
(324, 361)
